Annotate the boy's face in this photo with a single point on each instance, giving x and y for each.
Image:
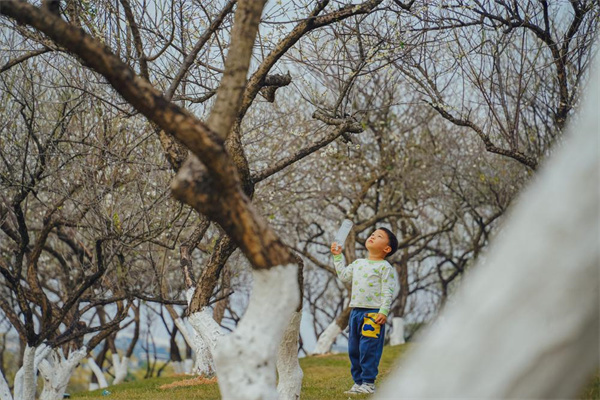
(378, 243)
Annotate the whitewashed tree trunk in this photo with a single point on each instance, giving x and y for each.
(25, 380)
(397, 333)
(203, 342)
(525, 324)
(245, 359)
(189, 338)
(327, 338)
(188, 366)
(178, 367)
(288, 368)
(56, 370)
(121, 366)
(204, 364)
(5, 393)
(102, 383)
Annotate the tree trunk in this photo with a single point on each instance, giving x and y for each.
(174, 352)
(56, 370)
(5, 393)
(397, 334)
(288, 368)
(328, 336)
(97, 371)
(245, 359)
(208, 333)
(402, 271)
(525, 323)
(100, 358)
(221, 305)
(121, 366)
(25, 379)
(189, 361)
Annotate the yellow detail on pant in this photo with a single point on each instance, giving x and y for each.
(370, 328)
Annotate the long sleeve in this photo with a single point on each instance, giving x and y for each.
(344, 272)
(388, 286)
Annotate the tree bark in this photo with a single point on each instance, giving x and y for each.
(245, 359)
(5, 393)
(25, 379)
(288, 368)
(208, 334)
(397, 334)
(56, 370)
(121, 366)
(97, 371)
(328, 336)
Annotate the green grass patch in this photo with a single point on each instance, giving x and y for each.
(592, 390)
(325, 377)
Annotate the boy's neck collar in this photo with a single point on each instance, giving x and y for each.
(375, 259)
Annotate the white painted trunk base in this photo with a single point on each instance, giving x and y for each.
(5, 393)
(97, 371)
(288, 368)
(25, 383)
(121, 367)
(56, 370)
(327, 338)
(188, 366)
(178, 367)
(245, 359)
(25, 380)
(525, 324)
(397, 333)
(194, 340)
(206, 336)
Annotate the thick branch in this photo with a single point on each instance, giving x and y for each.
(231, 89)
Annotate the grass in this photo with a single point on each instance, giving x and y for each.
(325, 378)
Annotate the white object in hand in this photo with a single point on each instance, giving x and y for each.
(342, 233)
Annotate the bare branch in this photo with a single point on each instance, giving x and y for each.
(23, 58)
(137, 39)
(189, 59)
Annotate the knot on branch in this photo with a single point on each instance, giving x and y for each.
(348, 124)
(272, 83)
(53, 6)
(193, 184)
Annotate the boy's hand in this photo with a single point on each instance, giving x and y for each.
(380, 318)
(335, 249)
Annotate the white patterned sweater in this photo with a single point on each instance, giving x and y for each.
(373, 282)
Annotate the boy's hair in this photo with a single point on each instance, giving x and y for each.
(392, 241)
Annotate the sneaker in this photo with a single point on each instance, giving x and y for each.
(367, 388)
(355, 389)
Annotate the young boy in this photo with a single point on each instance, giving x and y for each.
(373, 285)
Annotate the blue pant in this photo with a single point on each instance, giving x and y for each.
(365, 352)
